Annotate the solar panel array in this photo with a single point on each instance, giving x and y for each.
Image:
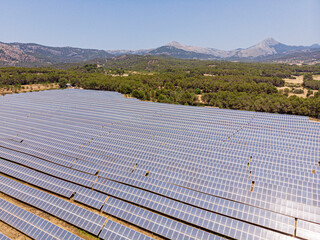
(30, 224)
(179, 172)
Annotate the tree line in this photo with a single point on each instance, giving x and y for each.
(246, 86)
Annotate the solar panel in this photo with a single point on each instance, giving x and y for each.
(158, 224)
(47, 167)
(30, 224)
(90, 198)
(3, 237)
(58, 207)
(152, 222)
(308, 230)
(49, 183)
(113, 230)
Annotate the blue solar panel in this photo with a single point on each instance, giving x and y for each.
(60, 208)
(47, 167)
(90, 198)
(168, 228)
(113, 230)
(3, 237)
(49, 183)
(30, 224)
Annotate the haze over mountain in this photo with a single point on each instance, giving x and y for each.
(267, 50)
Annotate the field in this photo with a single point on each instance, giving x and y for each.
(296, 83)
(94, 164)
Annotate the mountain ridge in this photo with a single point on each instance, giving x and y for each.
(14, 54)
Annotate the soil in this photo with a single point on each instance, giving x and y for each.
(298, 82)
(29, 88)
(316, 77)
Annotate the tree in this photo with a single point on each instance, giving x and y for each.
(307, 77)
(197, 91)
(310, 92)
(138, 94)
(63, 82)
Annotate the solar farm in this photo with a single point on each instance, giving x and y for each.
(120, 168)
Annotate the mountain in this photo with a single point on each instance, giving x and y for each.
(178, 53)
(268, 47)
(12, 54)
(22, 53)
(265, 50)
(270, 50)
(307, 56)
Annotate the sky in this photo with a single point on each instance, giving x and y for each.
(138, 24)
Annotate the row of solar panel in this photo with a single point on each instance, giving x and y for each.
(33, 165)
(38, 228)
(60, 208)
(247, 134)
(172, 230)
(310, 173)
(188, 214)
(82, 218)
(80, 178)
(30, 224)
(113, 230)
(157, 224)
(119, 97)
(151, 201)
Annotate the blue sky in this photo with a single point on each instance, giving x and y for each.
(135, 24)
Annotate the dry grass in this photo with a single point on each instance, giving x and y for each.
(297, 84)
(297, 80)
(29, 88)
(316, 77)
(311, 119)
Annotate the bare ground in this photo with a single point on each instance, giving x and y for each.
(316, 77)
(297, 82)
(311, 119)
(29, 88)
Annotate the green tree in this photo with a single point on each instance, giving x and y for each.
(138, 94)
(63, 82)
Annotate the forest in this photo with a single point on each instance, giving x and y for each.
(233, 85)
